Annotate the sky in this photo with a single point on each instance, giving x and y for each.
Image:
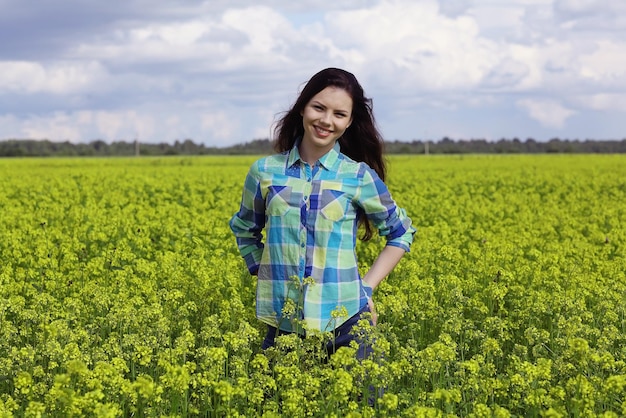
(220, 72)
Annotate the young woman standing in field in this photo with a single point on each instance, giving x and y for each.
(310, 198)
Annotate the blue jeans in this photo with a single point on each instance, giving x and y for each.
(342, 337)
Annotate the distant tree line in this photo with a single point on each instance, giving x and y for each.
(506, 146)
(46, 148)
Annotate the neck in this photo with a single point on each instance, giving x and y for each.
(311, 155)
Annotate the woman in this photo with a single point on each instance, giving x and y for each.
(309, 199)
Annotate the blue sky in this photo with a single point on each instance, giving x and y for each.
(219, 72)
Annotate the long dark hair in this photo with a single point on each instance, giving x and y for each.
(362, 141)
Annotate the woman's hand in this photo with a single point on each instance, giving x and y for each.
(370, 303)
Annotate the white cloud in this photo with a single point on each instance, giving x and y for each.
(57, 78)
(84, 126)
(587, 8)
(109, 124)
(547, 112)
(501, 17)
(219, 124)
(264, 27)
(176, 34)
(454, 8)
(507, 74)
(414, 45)
(606, 64)
(577, 6)
(256, 36)
(219, 71)
(59, 126)
(604, 101)
(591, 16)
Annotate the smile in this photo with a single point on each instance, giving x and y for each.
(321, 131)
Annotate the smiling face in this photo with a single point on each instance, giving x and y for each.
(325, 118)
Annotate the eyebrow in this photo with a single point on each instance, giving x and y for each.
(346, 112)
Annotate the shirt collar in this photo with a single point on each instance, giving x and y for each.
(327, 160)
(294, 154)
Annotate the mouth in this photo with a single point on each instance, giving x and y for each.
(322, 132)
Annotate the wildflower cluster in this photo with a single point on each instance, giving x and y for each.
(122, 293)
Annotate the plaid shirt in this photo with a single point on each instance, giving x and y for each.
(310, 218)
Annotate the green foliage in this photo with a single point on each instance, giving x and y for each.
(122, 293)
(99, 148)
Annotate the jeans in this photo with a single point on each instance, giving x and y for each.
(342, 337)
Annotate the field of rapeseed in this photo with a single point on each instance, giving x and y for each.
(122, 294)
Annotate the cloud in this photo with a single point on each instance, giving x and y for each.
(454, 8)
(587, 8)
(219, 124)
(237, 38)
(604, 101)
(58, 78)
(547, 112)
(219, 71)
(590, 15)
(127, 125)
(414, 45)
(61, 126)
(606, 65)
(506, 74)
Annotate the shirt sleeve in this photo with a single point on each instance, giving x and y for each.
(248, 223)
(391, 221)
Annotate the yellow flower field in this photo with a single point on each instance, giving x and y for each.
(122, 294)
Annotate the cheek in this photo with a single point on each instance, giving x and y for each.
(346, 124)
(307, 116)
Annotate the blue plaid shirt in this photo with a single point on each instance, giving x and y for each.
(307, 267)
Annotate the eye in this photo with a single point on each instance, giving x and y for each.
(317, 107)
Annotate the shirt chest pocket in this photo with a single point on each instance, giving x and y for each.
(334, 205)
(282, 201)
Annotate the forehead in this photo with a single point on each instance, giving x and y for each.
(334, 97)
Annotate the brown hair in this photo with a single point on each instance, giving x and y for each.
(361, 141)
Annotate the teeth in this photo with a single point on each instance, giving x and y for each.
(325, 131)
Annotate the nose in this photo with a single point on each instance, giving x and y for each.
(325, 118)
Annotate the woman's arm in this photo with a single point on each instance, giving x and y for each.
(388, 258)
(247, 224)
(392, 223)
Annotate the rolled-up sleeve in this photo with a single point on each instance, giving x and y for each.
(247, 224)
(391, 221)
